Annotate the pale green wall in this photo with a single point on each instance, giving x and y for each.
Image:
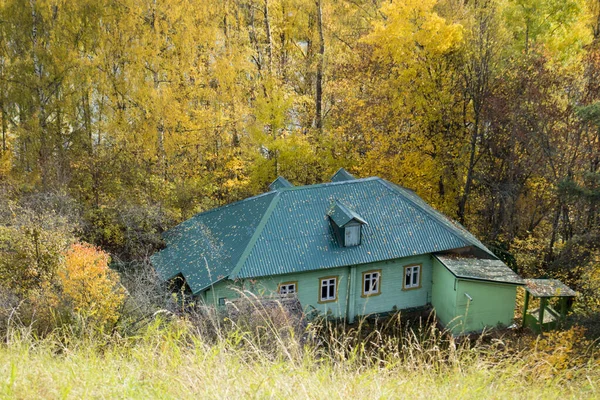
(307, 287)
(443, 297)
(492, 304)
(392, 295)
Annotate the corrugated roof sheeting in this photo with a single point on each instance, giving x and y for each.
(341, 214)
(287, 230)
(450, 224)
(304, 242)
(280, 183)
(342, 175)
(218, 236)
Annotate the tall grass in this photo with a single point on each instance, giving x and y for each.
(263, 351)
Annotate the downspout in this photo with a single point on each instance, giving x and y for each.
(350, 295)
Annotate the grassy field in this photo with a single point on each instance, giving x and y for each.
(169, 362)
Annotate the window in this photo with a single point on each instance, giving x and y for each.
(222, 301)
(352, 235)
(412, 277)
(287, 288)
(328, 289)
(371, 283)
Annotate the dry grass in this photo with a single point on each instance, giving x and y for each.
(262, 352)
(172, 358)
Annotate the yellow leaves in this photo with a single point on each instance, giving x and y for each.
(412, 29)
(559, 351)
(90, 287)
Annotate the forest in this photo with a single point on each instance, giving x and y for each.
(121, 118)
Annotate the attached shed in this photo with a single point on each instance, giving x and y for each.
(471, 293)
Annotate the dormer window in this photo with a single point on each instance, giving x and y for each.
(352, 235)
(346, 224)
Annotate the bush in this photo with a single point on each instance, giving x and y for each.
(89, 287)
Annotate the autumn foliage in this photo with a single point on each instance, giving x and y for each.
(89, 286)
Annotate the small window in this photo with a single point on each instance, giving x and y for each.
(352, 235)
(287, 288)
(328, 289)
(222, 301)
(412, 277)
(371, 283)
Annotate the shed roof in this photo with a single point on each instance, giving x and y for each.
(467, 267)
(287, 230)
(549, 288)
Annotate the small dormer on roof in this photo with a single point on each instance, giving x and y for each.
(346, 224)
(342, 175)
(280, 183)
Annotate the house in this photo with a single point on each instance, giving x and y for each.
(346, 248)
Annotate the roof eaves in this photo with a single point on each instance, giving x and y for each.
(476, 243)
(261, 225)
(210, 285)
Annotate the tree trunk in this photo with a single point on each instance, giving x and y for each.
(269, 38)
(462, 204)
(319, 80)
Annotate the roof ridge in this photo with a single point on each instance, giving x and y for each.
(261, 225)
(391, 187)
(212, 210)
(326, 184)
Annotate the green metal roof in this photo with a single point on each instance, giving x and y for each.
(288, 230)
(280, 183)
(341, 214)
(342, 175)
(468, 267)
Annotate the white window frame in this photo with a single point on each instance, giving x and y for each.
(414, 271)
(330, 283)
(287, 288)
(374, 283)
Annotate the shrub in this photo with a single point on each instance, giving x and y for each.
(89, 287)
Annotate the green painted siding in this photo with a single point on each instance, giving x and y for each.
(392, 295)
(308, 287)
(492, 304)
(443, 297)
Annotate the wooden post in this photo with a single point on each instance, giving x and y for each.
(563, 307)
(525, 306)
(543, 301)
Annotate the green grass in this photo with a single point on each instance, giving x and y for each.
(169, 362)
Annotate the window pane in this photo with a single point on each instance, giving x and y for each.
(323, 291)
(332, 291)
(415, 276)
(367, 284)
(408, 275)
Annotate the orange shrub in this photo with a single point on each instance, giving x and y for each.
(90, 287)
